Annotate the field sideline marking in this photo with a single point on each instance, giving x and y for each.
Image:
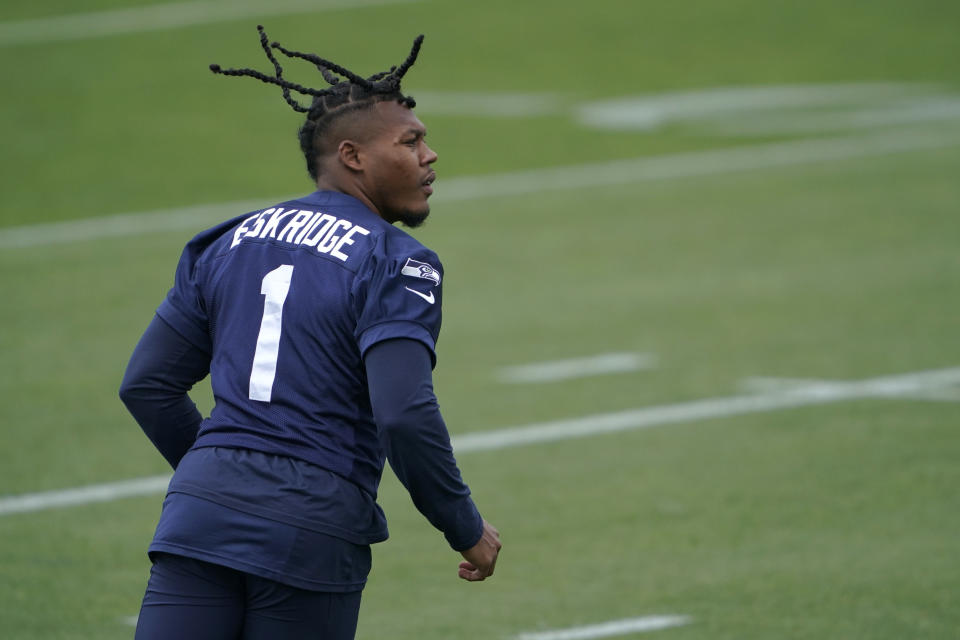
(94, 24)
(646, 417)
(601, 630)
(896, 389)
(89, 494)
(609, 629)
(642, 418)
(777, 109)
(571, 368)
(618, 172)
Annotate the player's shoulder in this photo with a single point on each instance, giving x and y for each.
(206, 242)
(397, 243)
(396, 252)
(381, 243)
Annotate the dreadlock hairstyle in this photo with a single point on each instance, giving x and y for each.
(346, 94)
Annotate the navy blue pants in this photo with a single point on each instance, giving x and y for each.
(190, 599)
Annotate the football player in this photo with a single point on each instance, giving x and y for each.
(317, 321)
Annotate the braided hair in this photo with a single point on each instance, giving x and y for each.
(348, 93)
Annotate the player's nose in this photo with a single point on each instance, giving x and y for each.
(430, 156)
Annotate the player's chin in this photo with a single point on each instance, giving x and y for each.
(414, 218)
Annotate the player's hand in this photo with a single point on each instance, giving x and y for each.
(481, 558)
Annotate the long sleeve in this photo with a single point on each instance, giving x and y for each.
(415, 438)
(162, 370)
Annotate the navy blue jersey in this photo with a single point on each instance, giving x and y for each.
(287, 301)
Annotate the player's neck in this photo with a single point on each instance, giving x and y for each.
(348, 187)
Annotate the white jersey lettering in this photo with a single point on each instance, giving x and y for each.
(331, 239)
(274, 222)
(322, 225)
(347, 239)
(294, 225)
(327, 233)
(243, 231)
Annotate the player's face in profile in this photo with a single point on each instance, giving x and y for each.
(399, 166)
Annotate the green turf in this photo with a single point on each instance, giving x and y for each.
(832, 521)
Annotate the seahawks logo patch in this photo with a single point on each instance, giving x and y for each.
(421, 270)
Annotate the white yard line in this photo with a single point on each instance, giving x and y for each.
(84, 495)
(921, 109)
(919, 386)
(601, 630)
(77, 26)
(609, 629)
(696, 164)
(568, 369)
(645, 169)
(719, 105)
(951, 394)
(763, 384)
(815, 394)
(123, 224)
(708, 408)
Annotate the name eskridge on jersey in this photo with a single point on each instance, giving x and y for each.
(327, 233)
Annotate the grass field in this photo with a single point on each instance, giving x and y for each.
(783, 203)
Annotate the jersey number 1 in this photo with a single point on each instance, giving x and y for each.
(275, 286)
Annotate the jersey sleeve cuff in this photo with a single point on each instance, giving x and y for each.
(468, 529)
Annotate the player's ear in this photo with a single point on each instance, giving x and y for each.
(349, 153)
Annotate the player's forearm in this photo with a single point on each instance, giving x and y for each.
(429, 472)
(162, 369)
(415, 438)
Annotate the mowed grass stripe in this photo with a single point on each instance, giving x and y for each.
(815, 394)
(77, 26)
(619, 172)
